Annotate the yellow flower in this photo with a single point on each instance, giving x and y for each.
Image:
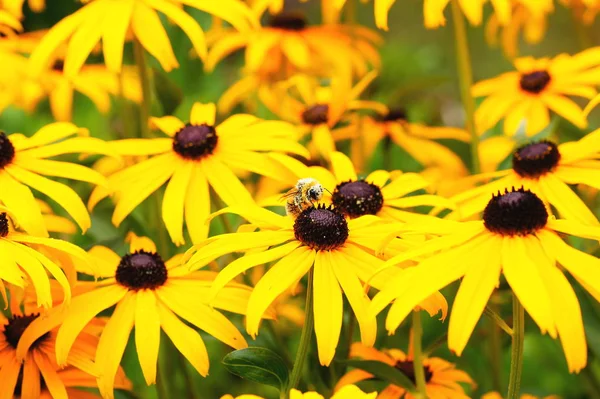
(151, 294)
(347, 392)
(496, 395)
(517, 239)
(415, 138)
(473, 10)
(8, 22)
(442, 377)
(55, 223)
(320, 239)
(15, 7)
(29, 259)
(24, 159)
(137, 19)
(317, 110)
(586, 10)
(547, 169)
(528, 16)
(195, 156)
(36, 374)
(538, 85)
(288, 46)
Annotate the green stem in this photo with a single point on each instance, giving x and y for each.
(140, 60)
(516, 357)
(495, 317)
(305, 337)
(465, 79)
(495, 347)
(418, 355)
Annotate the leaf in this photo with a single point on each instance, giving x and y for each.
(384, 372)
(259, 365)
(168, 93)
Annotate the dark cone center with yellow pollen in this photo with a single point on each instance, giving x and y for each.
(515, 213)
(316, 115)
(141, 270)
(395, 115)
(535, 82)
(16, 327)
(357, 198)
(195, 141)
(7, 150)
(293, 21)
(407, 368)
(322, 228)
(536, 159)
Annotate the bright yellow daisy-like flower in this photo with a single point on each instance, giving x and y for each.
(415, 138)
(473, 10)
(36, 374)
(23, 161)
(288, 45)
(517, 239)
(547, 169)
(28, 260)
(195, 156)
(443, 378)
(316, 110)
(496, 395)
(151, 294)
(538, 85)
(320, 239)
(137, 19)
(347, 392)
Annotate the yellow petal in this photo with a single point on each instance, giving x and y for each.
(147, 333)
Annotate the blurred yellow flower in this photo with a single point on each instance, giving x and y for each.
(15, 7)
(517, 239)
(443, 378)
(194, 157)
(347, 392)
(23, 161)
(151, 294)
(115, 21)
(538, 85)
(433, 10)
(320, 239)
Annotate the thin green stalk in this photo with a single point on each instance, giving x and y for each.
(418, 355)
(495, 317)
(516, 357)
(140, 60)
(465, 80)
(305, 337)
(495, 347)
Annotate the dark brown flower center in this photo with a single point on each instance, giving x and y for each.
(322, 228)
(7, 150)
(58, 66)
(316, 115)
(4, 225)
(294, 21)
(515, 213)
(535, 82)
(16, 327)
(195, 141)
(141, 270)
(357, 198)
(395, 115)
(407, 368)
(536, 159)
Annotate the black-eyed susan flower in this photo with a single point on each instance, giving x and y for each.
(319, 239)
(195, 156)
(34, 373)
(536, 87)
(151, 294)
(288, 45)
(28, 260)
(348, 392)
(496, 395)
(516, 239)
(415, 138)
(137, 19)
(442, 377)
(315, 109)
(547, 169)
(24, 161)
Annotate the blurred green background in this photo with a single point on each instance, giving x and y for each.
(419, 74)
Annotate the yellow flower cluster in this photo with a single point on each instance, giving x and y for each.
(288, 183)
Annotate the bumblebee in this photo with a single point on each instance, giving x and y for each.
(302, 196)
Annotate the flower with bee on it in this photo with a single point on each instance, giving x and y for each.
(302, 196)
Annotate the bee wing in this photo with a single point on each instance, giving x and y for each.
(290, 194)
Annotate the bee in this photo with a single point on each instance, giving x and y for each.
(302, 196)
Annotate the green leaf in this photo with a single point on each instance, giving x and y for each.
(385, 372)
(259, 365)
(168, 93)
